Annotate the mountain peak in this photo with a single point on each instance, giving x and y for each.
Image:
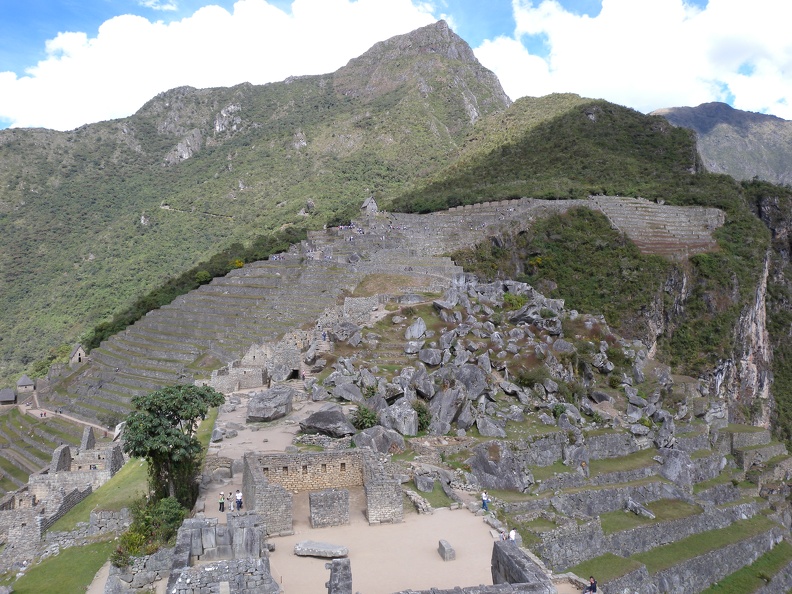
(423, 59)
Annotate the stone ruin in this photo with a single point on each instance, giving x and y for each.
(28, 512)
(208, 557)
(270, 479)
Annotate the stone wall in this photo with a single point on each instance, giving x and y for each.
(697, 574)
(384, 503)
(271, 501)
(574, 543)
(312, 470)
(269, 479)
(329, 507)
(241, 576)
(510, 565)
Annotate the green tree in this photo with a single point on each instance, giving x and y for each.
(162, 430)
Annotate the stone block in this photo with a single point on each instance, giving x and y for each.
(312, 548)
(446, 551)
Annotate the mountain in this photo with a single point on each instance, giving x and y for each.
(739, 143)
(94, 218)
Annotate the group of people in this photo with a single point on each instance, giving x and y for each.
(237, 502)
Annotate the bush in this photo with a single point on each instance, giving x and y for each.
(529, 377)
(424, 416)
(363, 417)
(558, 410)
(514, 301)
(154, 525)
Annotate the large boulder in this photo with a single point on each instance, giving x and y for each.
(271, 404)
(497, 467)
(349, 392)
(473, 378)
(401, 417)
(431, 357)
(445, 407)
(380, 439)
(416, 330)
(328, 421)
(489, 428)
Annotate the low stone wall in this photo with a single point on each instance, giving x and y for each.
(68, 502)
(700, 572)
(574, 543)
(100, 522)
(697, 574)
(571, 544)
(611, 445)
(510, 565)
(238, 575)
(781, 582)
(140, 574)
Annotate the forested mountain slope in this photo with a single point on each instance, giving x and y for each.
(93, 218)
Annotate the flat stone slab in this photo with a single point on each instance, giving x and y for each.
(312, 548)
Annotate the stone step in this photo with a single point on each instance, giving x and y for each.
(758, 455)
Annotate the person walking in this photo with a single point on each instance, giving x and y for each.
(222, 502)
(238, 499)
(485, 499)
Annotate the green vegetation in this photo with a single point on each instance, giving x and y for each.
(639, 459)
(606, 567)
(424, 415)
(103, 216)
(668, 555)
(437, 498)
(127, 486)
(154, 525)
(72, 570)
(363, 417)
(756, 575)
(665, 510)
(162, 430)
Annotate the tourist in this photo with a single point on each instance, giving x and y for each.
(592, 587)
(503, 535)
(222, 502)
(512, 534)
(238, 499)
(485, 501)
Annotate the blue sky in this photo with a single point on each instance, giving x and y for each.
(64, 63)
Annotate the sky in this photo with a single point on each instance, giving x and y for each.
(65, 63)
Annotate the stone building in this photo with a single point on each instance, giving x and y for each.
(270, 479)
(25, 385)
(77, 355)
(7, 396)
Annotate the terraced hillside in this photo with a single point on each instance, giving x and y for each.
(619, 471)
(27, 442)
(217, 323)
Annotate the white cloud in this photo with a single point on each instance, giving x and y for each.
(653, 53)
(131, 59)
(157, 5)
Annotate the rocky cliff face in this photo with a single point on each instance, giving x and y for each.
(739, 143)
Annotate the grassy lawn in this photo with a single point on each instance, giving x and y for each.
(542, 473)
(756, 575)
(633, 461)
(605, 568)
(723, 478)
(128, 485)
(693, 546)
(665, 510)
(436, 498)
(69, 572)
